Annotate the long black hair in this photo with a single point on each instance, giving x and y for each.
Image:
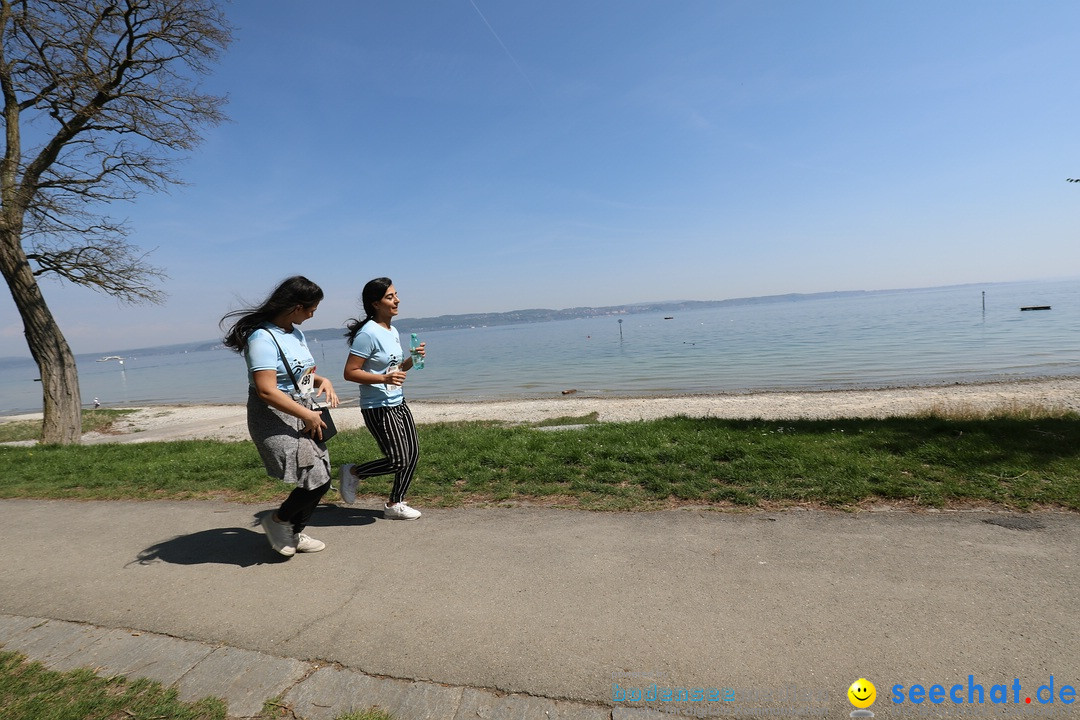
(293, 291)
(372, 293)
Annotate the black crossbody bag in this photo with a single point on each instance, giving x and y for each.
(331, 429)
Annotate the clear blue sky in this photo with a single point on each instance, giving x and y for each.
(498, 155)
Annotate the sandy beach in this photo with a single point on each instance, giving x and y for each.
(228, 422)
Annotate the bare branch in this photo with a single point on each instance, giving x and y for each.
(108, 267)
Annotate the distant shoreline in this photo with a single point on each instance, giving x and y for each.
(459, 321)
(228, 421)
(613, 397)
(350, 398)
(571, 394)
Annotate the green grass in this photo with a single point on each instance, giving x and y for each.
(99, 420)
(190, 469)
(1018, 459)
(277, 709)
(29, 691)
(590, 419)
(372, 714)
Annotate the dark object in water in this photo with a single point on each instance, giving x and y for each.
(1036, 307)
(670, 317)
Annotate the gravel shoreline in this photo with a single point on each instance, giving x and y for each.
(228, 422)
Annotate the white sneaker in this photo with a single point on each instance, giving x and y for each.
(348, 484)
(306, 543)
(400, 511)
(281, 535)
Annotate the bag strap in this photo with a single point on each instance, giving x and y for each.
(284, 360)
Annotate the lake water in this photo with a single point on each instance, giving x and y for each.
(880, 339)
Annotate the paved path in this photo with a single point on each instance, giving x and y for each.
(540, 613)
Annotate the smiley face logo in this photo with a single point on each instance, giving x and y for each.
(862, 693)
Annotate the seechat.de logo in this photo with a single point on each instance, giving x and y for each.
(862, 695)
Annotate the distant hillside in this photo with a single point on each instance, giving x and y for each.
(515, 317)
(518, 317)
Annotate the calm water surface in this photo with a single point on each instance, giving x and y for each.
(931, 336)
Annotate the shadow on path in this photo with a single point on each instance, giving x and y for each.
(332, 515)
(224, 546)
(243, 547)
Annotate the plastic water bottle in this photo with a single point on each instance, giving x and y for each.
(414, 350)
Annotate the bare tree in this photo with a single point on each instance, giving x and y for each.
(100, 99)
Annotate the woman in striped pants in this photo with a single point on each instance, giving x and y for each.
(377, 363)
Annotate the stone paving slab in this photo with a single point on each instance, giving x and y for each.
(246, 679)
(632, 713)
(51, 642)
(330, 692)
(12, 625)
(486, 705)
(134, 654)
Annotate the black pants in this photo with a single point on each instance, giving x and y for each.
(299, 506)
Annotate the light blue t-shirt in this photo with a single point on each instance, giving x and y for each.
(381, 350)
(262, 354)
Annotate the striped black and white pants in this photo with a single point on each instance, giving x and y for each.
(395, 432)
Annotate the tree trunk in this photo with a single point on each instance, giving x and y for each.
(62, 403)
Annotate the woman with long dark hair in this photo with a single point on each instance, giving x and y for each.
(378, 364)
(282, 417)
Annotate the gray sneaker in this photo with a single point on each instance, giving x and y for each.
(400, 511)
(281, 535)
(305, 543)
(348, 484)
